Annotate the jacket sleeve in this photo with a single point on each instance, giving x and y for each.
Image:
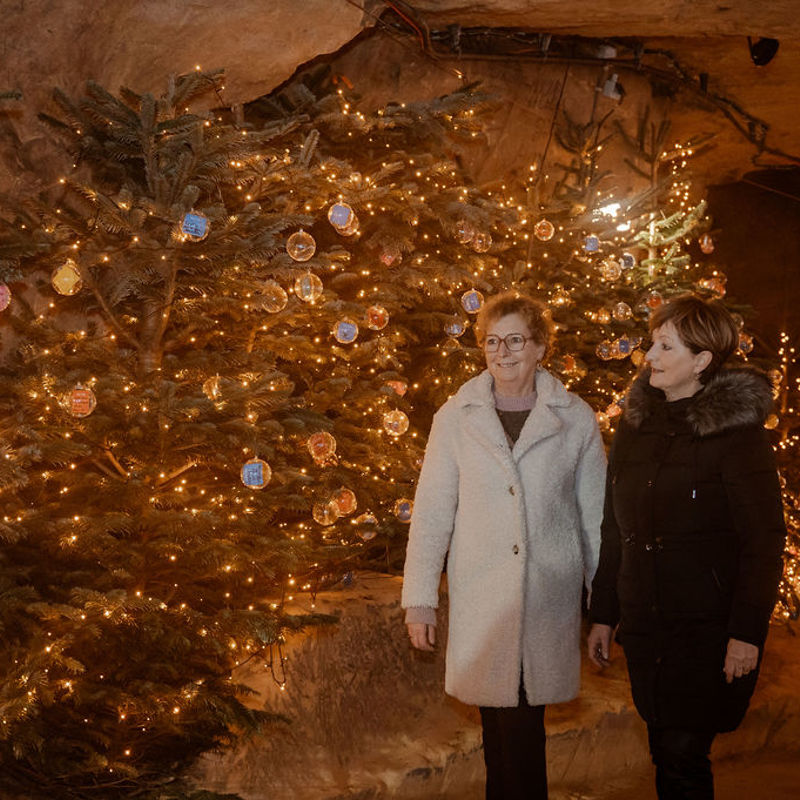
(604, 603)
(433, 517)
(750, 477)
(590, 475)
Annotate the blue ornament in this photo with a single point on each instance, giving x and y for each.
(591, 244)
(627, 260)
(625, 345)
(345, 331)
(340, 215)
(195, 225)
(471, 301)
(347, 579)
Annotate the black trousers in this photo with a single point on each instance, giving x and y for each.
(683, 769)
(514, 751)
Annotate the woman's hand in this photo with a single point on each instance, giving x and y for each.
(740, 660)
(598, 644)
(422, 635)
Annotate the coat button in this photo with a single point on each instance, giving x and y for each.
(511, 490)
(650, 484)
(515, 549)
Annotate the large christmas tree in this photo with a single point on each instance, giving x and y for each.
(226, 335)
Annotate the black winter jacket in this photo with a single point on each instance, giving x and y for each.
(692, 538)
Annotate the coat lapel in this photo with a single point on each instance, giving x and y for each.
(541, 423)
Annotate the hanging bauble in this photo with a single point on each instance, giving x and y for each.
(464, 232)
(455, 326)
(569, 364)
(256, 473)
(395, 422)
(603, 350)
(624, 346)
(345, 331)
(403, 509)
(714, 284)
(325, 512)
(308, 287)
(627, 260)
(377, 318)
(603, 316)
(481, 242)
(195, 226)
(81, 401)
(301, 246)
(272, 297)
(351, 229)
(614, 409)
(472, 301)
(544, 230)
(345, 500)
(321, 445)
(771, 422)
(622, 312)
(211, 388)
(610, 269)
(591, 244)
(560, 297)
(745, 343)
(706, 244)
(340, 215)
(66, 279)
(5, 297)
(398, 387)
(637, 358)
(653, 300)
(367, 524)
(391, 255)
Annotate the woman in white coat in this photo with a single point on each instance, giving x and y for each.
(511, 492)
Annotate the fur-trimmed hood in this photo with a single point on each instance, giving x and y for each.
(734, 397)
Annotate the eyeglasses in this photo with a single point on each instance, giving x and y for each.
(513, 341)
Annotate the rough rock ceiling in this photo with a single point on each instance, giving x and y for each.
(122, 42)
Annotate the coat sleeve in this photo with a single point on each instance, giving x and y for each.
(604, 603)
(590, 475)
(750, 477)
(432, 521)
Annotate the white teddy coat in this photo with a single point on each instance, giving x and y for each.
(522, 530)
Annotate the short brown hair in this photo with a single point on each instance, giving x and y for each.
(535, 313)
(701, 325)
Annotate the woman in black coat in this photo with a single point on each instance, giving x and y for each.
(692, 538)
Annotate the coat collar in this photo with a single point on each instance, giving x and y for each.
(483, 423)
(734, 397)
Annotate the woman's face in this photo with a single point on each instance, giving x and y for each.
(513, 370)
(674, 368)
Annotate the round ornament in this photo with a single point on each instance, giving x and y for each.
(637, 358)
(340, 215)
(622, 312)
(771, 422)
(351, 229)
(627, 260)
(561, 297)
(481, 242)
(256, 473)
(654, 300)
(624, 346)
(81, 401)
(195, 226)
(714, 284)
(325, 512)
(211, 388)
(5, 297)
(377, 318)
(345, 500)
(471, 301)
(544, 230)
(66, 279)
(603, 350)
(398, 387)
(706, 244)
(745, 343)
(391, 255)
(301, 246)
(367, 524)
(321, 445)
(591, 244)
(308, 287)
(569, 364)
(610, 269)
(395, 422)
(464, 232)
(403, 509)
(455, 326)
(273, 297)
(345, 331)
